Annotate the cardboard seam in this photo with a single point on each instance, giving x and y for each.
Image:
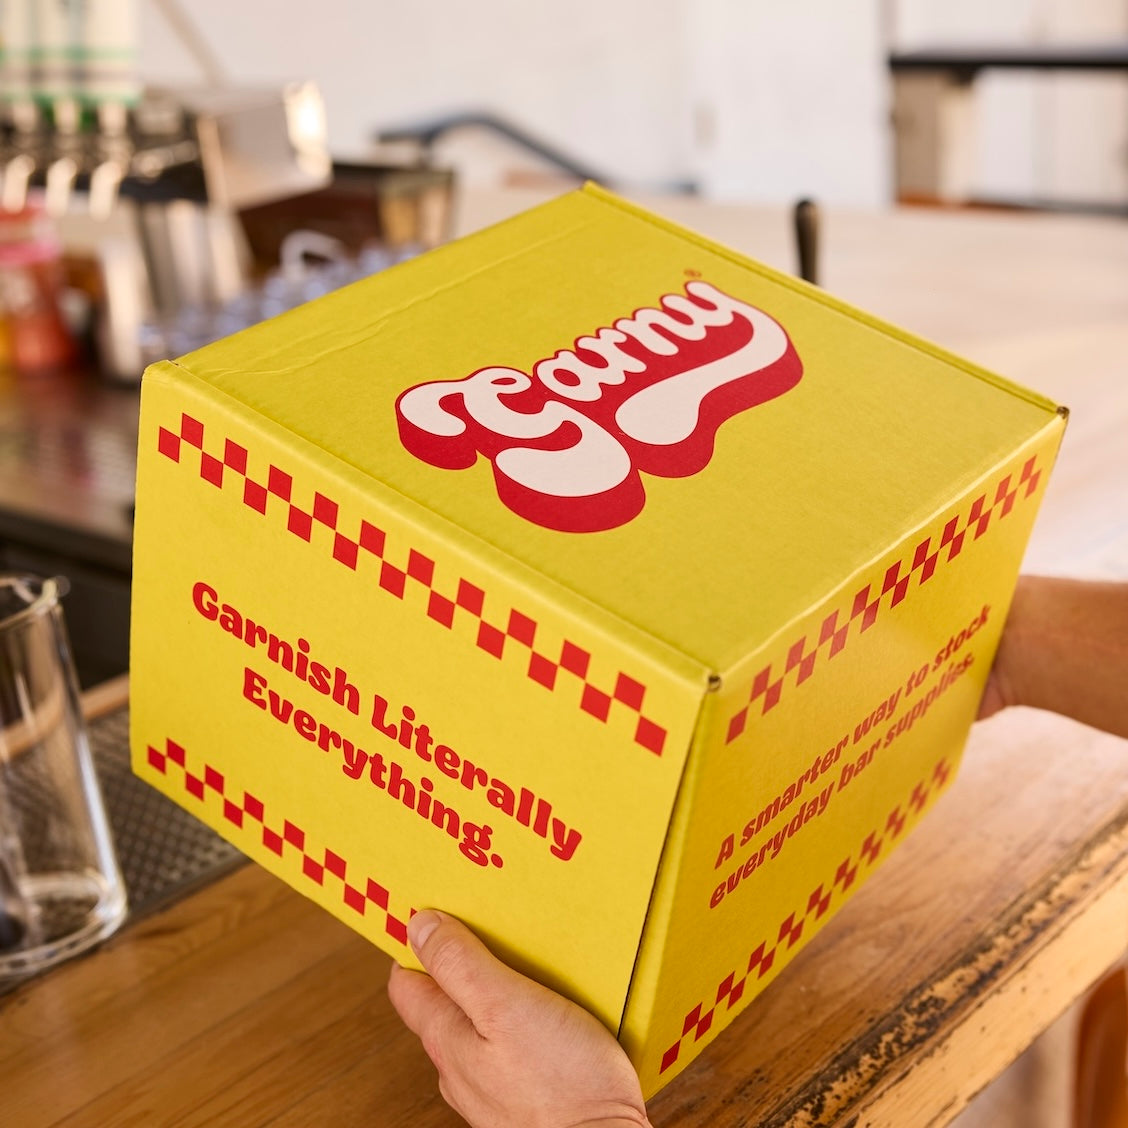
(345, 342)
(816, 294)
(675, 833)
(597, 702)
(872, 567)
(821, 902)
(665, 653)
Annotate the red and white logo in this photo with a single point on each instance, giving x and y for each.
(646, 395)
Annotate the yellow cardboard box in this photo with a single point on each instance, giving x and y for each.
(587, 580)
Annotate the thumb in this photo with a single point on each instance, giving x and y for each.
(477, 982)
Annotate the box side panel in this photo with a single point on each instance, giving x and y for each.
(817, 757)
(381, 720)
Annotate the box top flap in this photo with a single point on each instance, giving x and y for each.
(639, 415)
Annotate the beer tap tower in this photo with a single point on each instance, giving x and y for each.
(81, 137)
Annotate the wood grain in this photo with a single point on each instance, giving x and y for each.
(246, 1004)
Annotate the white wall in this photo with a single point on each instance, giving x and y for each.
(791, 99)
(1057, 136)
(737, 94)
(603, 79)
(753, 99)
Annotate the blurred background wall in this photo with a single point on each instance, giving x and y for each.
(1050, 136)
(741, 98)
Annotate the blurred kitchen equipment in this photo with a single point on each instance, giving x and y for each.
(297, 248)
(389, 206)
(150, 182)
(425, 136)
(181, 198)
(61, 891)
(188, 220)
(198, 158)
(33, 333)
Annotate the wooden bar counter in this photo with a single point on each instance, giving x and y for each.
(243, 1004)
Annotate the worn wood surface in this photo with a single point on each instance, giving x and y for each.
(1003, 906)
(247, 1005)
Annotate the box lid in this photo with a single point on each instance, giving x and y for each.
(689, 442)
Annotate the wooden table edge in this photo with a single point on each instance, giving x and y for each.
(985, 1007)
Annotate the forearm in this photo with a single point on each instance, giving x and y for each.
(1066, 649)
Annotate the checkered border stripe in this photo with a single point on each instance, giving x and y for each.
(492, 637)
(730, 990)
(245, 811)
(837, 627)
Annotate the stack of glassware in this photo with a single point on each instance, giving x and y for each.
(311, 265)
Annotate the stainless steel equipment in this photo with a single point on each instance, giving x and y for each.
(153, 192)
(229, 147)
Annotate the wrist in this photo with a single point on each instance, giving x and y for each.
(1065, 649)
(613, 1114)
(631, 1119)
(620, 1116)
(618, 1122)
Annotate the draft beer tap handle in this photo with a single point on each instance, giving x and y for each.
(807, 240)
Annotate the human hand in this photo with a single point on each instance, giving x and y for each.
(1064, 648)
(509, 1052)
(1000, 692)
(997, 694)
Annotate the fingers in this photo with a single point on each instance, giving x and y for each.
(463, 969)
(419, 1001)
(507, 1050)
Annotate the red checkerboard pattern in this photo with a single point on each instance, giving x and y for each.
(248, 813)
(495, 634)
(699, 1020)
(839, 626)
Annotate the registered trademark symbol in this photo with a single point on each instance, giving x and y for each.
(693, 274)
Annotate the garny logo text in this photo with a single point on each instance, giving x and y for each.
(644, 396)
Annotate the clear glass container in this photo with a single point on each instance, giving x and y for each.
(61, 891)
